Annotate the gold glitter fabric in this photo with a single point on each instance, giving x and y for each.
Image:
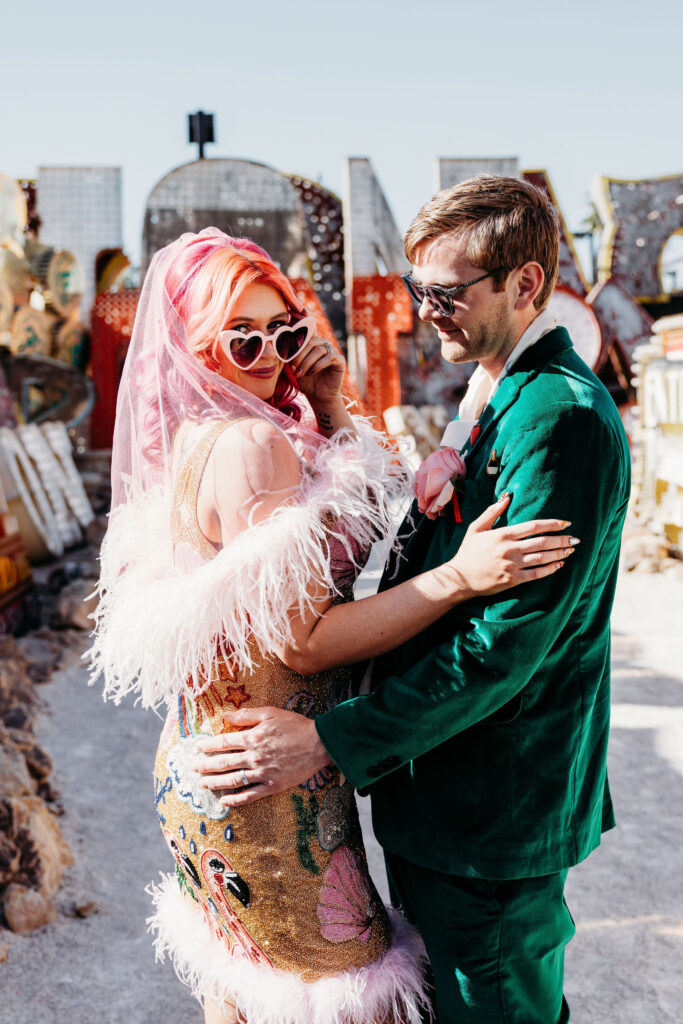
(281, 883)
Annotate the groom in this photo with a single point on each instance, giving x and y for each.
(483, 741)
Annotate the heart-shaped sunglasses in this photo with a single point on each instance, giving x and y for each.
(245, 350)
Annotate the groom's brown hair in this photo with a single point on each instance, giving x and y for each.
(507, 222)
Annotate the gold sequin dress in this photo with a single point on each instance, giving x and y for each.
(271, 905)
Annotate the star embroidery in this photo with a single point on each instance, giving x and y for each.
(224, 671)
(237, 695)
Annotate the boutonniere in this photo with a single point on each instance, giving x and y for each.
(438, 481)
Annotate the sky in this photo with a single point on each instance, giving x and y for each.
(578, 89)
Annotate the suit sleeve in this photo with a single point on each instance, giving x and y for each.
(568, 464)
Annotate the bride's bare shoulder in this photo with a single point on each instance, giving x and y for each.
(254, 456)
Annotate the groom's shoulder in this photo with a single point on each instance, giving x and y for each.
(564, 406)
(565, 388)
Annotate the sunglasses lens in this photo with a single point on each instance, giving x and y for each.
(415, 291)
(246, 351)
(290, 342)
(441, 303)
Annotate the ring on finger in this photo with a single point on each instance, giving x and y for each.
(245, 780)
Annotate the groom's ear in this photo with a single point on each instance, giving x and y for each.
(530, 278)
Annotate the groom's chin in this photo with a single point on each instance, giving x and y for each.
(452, 348)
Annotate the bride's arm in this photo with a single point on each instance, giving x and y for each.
(255, 469)
(487, 562)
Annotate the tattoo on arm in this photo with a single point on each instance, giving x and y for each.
(324, 421)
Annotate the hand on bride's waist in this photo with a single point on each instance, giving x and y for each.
(272, 750)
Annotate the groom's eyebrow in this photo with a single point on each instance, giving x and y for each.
(434, 285)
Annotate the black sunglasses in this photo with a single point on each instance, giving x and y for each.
(442, 298)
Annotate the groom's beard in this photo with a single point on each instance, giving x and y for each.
(464, 340)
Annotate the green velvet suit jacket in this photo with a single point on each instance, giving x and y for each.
(483, 741)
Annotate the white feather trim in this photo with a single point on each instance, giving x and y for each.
(392, 988)
(159, 623)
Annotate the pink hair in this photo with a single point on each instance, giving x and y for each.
(203, 283)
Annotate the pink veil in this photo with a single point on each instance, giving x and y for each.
(163, 614)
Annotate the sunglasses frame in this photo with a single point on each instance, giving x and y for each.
(439, 297)
(226, 338)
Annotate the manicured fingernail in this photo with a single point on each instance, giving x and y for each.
(507, 494)
(566, 523)
(574, 541)
(567, 552)
(560, 564)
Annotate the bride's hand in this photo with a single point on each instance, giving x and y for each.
(489, 560)
(320, 372)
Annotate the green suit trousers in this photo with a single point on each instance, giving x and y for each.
(496, 946)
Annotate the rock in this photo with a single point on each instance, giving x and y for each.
(38, 761)
(58, 579)
(6, 816)
(87, 568)
(15, 780)
(9, 859)
(90, 570)
(75, 604)
(15, 717)
(15, 684)
(51, 797)
(47, 650)
(44, 851)
(95, 531)
(74, 643)
(26, 909)
(86, 909)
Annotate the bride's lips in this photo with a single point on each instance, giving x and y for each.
(266, 373)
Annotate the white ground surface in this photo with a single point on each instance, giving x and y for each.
(624, 965)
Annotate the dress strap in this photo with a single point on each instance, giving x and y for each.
(184, 524)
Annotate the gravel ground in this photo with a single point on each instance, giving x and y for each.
(623, 966)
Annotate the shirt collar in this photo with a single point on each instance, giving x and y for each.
(544, 323)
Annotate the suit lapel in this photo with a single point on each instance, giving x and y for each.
(528, 366)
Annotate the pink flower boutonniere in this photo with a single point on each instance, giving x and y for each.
(436, 481)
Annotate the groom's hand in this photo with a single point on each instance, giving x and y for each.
(271, 749)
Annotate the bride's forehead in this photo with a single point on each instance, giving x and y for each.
(258, 300)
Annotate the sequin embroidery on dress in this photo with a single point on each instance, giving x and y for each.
(281, 886)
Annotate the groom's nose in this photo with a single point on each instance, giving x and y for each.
(427, 312)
